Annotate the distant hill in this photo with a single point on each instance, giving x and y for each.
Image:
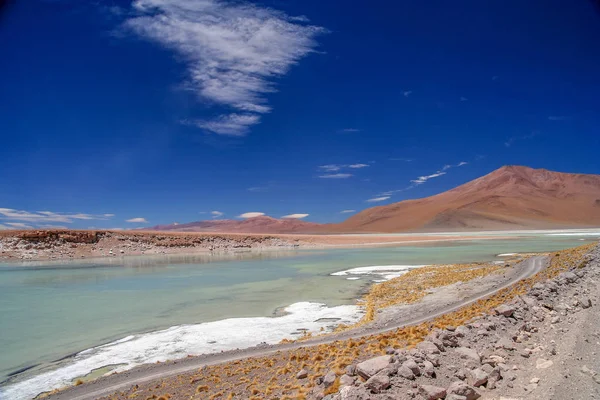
(262, 224)
(512, 197)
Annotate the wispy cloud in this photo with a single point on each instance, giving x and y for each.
(558, 117)
(402, 159)
(295, 216)
(514, 139)
(347, 211)
(330, 167)
(216, 214)
(335, 176)
(357, 166)
(234, 51)
(378, 199)
(422, 179)
(407, 93)
(462, 98)
(349, 130)
(251, 215)
(18, 225)
(11, 214)
(138, 220)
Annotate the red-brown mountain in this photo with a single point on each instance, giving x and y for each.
(262, 224)
(512, 197)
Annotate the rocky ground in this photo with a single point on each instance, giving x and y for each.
(541, 345)
(60, 245)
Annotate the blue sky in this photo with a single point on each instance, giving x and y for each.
(180, 110)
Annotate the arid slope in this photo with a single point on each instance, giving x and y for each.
(512, 197)
(262, 224)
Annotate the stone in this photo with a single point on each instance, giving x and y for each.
(428, 348)
(535, 380)
(329, 379)
(467, 353)
(505, 310)
(410, 364)
(505, 343)
(302, 374)
(455, 397)
(370, 367)
(353, 393)
(432, 392)
(542, 363)
(477, 377)
(586, 302)
(378, 383)
(569, 277)
(405, 373)
(461, 331)
(428, 369)
(346, 380)
(462, 389)
(449, 339)
(351, 370)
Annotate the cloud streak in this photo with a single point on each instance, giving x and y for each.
(251, 215)
(335, 176)
(10, 214)
(234, 52)
(347, 211)
(138, 220)
(295, 216)
(378, 199)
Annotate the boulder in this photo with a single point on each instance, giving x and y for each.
(428, 369)
(467, 353)
(370, 367)
(462, 389)
(410, 364)
(432, 392)
(461, 331)
(505, 310)
(378, 383)
(353, 393)
(405, 373)
(505, 343)
(477, 377)
(329, 379)
(346, 380)
(302, 374)
(428, 348)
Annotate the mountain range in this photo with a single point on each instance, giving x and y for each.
(512, 197)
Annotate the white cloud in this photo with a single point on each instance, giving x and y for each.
(460, 164)
(18, 225)
(330, 167)
(378, 199)
(347, 211)
(356, 166)
(335, 176)
(423, 179)
(234, 51)
(139, 220)
(217, 214)
(402, 159)
(295, 216)
(407, 93)
(232, 124)
(10, 214)
(251, 215)
(350, 130)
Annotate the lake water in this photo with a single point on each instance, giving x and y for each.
(61, 320)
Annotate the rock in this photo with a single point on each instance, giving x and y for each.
(469, 354)
(351, 370)
(455, 397)
(353, 393)
(428, 369)
(329, 379)
(346, 380)
(461, 331)
(543, 363)
(432, 392)
(461, 374)
(535, 380)
(378, 382)
(477, 377)
(370, 367)
(302, 374)
(462, 389)
(505, 310)
(406, 373)
(449, 339)
(410, 364)
(586, 302)
(505, 344)
(428, 348)
(569, 277)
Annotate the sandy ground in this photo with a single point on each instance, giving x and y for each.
(72, 244)
(439, 302)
